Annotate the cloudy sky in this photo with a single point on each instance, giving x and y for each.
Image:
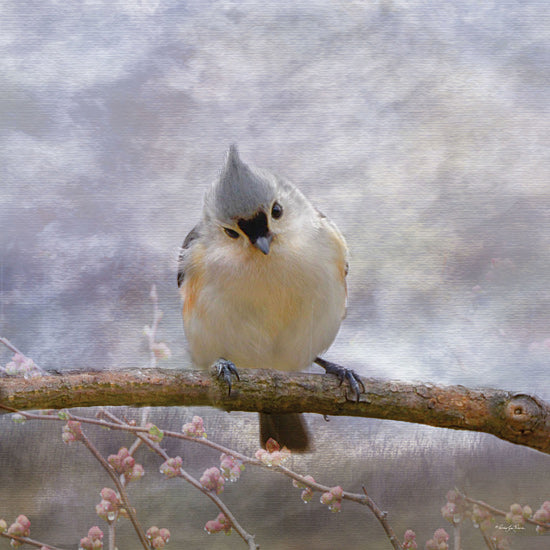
(420, 128)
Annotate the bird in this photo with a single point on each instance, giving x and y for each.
(262, 278)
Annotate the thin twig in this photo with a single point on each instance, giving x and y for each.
(502, 513)
(112, 535)
(123, 495)
(152, 332)
(457, 532)
(26, 540)
(247, 537)
(382, 517)
(10, 346)
(488, 541)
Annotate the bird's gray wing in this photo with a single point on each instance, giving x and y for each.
(184, 252)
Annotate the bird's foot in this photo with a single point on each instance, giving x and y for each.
(344, 375)
(226, 370)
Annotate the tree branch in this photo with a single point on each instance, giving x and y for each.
(518, 418)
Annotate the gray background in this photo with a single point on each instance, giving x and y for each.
(419, 127)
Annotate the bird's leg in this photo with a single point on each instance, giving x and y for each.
(226, 370)
(343, 374)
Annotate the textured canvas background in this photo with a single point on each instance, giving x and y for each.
(420, 127)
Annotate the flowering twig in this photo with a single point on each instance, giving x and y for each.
(122, 491)
(156, 349)
(142, 432)
(9, 345)
(131, 451)
(354, 497)
(382, 517)
(502, 513)
(247, 537)
(31, 542)
(22, 365)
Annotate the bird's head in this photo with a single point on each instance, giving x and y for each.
(251, 205)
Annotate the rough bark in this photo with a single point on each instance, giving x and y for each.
(518, 418)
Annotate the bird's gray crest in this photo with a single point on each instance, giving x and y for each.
(241, 190)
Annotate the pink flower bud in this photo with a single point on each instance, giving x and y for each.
(137, 472)
(195, 428)
(272, 456)
(95, 533)
(300, 485)
(449, 511)
(152, 532)
(67, 437)
(105, 510)
(409, 540)
(155, 434)
(158, 542)
(542, 515)
(71, 431)
(212, 480)
(307, 493)
(24, 522)
(22, 366)
(161, 350)
(439, 541)
(123, 462)
(21, 527)
(336, 506)
(171, 468)
(213, 526)
(231, 467)
(109, 495)
(123, 452)
(158, 537)
(16, 529)
(333, 498)
(221, 523)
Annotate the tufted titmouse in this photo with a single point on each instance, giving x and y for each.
(263, 282)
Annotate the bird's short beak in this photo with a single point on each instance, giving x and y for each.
(263, 243)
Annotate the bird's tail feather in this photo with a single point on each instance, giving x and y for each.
(288, 430)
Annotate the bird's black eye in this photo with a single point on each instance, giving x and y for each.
(276, 211)
(231, 233)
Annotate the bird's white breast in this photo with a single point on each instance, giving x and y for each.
(279, 310)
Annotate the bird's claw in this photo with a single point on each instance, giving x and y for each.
(344, 375)
(226, 370)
